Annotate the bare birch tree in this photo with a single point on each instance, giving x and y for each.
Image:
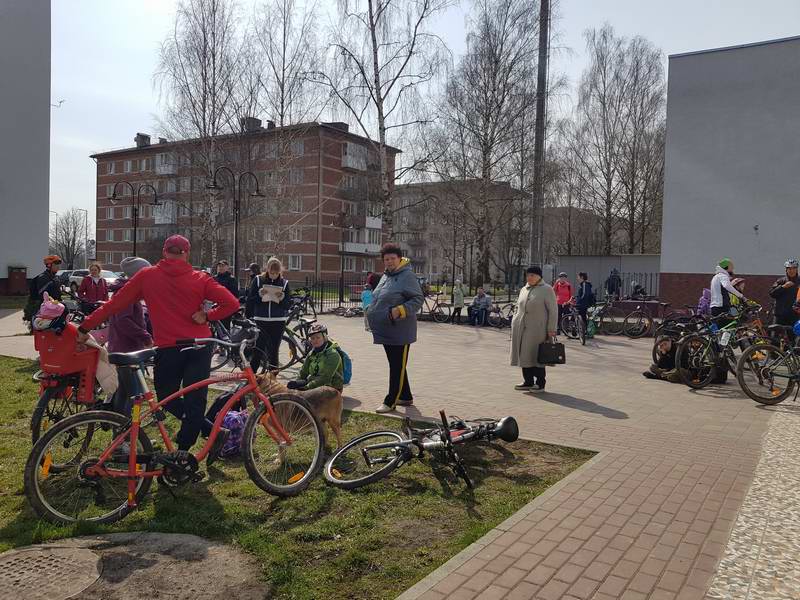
(382, 58)
(68, 237)
(198, 76)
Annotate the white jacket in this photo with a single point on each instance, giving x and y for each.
(720, 281)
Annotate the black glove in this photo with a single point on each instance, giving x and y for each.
(297, 384)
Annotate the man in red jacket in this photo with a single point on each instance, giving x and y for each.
(174, 293)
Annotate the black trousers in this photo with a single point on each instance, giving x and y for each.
(175, 369)
(268, 344)
(456, 317)
(534, 375)
(399, 389)
(561, 308)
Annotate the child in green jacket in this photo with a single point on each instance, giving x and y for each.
(323, 366)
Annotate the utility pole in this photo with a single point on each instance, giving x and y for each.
(537, 193)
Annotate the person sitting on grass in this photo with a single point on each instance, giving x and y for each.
(665, 369)
(323, 366)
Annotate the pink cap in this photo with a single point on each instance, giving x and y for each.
(177, 242)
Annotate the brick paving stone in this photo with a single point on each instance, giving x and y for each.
(667, 486)
(494, 592)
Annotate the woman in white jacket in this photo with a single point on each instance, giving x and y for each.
(722, 289)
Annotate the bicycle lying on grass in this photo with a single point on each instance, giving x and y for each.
(97, 466)
(371, 457)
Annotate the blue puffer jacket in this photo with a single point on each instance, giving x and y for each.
(397, 289)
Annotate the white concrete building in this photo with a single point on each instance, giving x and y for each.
(25, 127)
(732, 182)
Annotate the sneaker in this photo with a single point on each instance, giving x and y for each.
(524, 386)
(384, 408)
(216, 448)
(650, 375)
(405, 403)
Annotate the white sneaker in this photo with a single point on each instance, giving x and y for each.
(384, 408)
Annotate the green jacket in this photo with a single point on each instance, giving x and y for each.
(323, 368)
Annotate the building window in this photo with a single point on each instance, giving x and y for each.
(296, 205)
(296, 176)
(128, 235)
(110, 168)
(126, 212)
(298, 147)
(349, 182)
(349, 263)
(348, 208)
(352, 235)
(295, 262)
(295, 234)
(268, 237)
(126, 166)
(374, 236)
(270, 150)
(369, 264)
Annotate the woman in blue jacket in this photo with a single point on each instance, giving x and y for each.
(392, 317)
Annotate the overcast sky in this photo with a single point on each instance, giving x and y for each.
(105, 51)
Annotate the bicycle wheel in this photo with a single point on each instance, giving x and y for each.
(69, 495)
(441, 313)
(55, 404)
(611, 321)
(348, 467)
(495, 319)
(277, 468)
(764, 372)
(569, 326)
(637, 324)
(220, 356)
(289, 356)
(696, 359)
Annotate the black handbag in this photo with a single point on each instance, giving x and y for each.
(551, 352)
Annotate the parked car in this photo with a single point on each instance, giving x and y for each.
(63, 276)
(77, 276)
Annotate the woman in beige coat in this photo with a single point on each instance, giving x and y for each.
(535, 321)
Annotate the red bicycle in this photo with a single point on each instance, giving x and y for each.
(97, 466)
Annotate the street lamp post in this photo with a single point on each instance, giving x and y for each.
(85, 237)
(136, 199)
(237, 185)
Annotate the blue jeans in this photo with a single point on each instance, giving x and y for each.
(477, 316)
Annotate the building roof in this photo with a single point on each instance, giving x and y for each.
(737, 47)
(263, 130)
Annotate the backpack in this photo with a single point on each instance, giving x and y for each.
(347, 365)
(704, 303)
(234, 421)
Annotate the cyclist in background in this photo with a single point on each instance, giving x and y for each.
(784, 292)
(722, 290)
(46, 281)
(563, 289)
(585, 298)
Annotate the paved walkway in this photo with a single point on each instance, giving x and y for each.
(649, 517)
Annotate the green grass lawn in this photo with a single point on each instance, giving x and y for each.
(325, 543)
(13, 301)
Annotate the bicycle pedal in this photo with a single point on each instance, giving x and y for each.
(198, 476)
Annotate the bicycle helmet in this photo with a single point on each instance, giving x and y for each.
(317, 328)
(791, 264)
(562, 274)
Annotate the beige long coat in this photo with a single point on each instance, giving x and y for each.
(537, 313)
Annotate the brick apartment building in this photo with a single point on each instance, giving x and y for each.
(318, 210)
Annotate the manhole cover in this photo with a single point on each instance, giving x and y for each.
(47, 572)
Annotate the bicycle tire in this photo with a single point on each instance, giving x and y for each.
(441, 313)
(569, 327)
(338, 457)
(219, 351)
(637, 324)
(292, 488)
(692, 349)
(495, 319)
(42, 419)
(611, 321)
(35, 459)
(769, 398)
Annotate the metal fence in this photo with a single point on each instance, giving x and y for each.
(329, 294)
(629, 280)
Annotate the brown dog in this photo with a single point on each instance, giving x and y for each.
(325, 401)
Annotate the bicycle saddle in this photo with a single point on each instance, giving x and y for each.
(128, 359)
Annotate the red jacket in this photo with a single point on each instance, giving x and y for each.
(91, 291)
(173, 291)
(563, 290)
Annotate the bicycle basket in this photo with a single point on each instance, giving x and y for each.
(59, 355)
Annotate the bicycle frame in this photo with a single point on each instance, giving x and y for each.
(271, 424)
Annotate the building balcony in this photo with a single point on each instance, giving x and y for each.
(359, 248)
(167, 169)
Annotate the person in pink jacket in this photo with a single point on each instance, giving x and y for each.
(93, 289)
(563, 289)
